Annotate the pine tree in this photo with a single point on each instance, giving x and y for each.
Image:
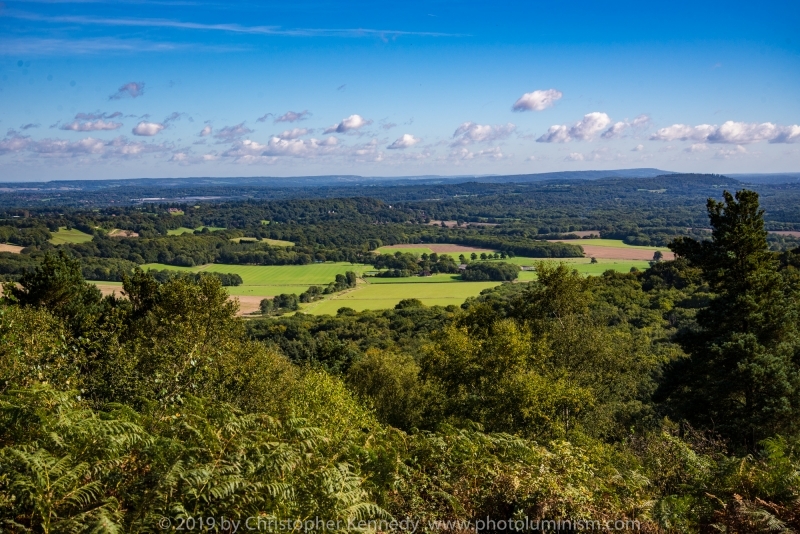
(741, 377)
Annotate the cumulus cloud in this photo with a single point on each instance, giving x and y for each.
(466, 154)
(637, 148)
(289, 116)
(388, 125)
(91, 126)
(147, 129)
(129, 90)
(696, 147)
(584, 130)
(230, 133)
(406, 141)
(119, 147)
(618, 129)
(252, 151)
(97, 115)
(353, 122)
(728, 153)
(469, 133)
(173, 117)
(28, 126)
(294, 133)
(641, 121)
(537, 100)
(185, 158)
(206, 131)
(731, 132)
(574, 156)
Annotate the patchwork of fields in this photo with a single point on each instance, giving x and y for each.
(261, 281)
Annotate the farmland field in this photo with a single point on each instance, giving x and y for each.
(64, 236)
(184, 230)
(616, 249)
(434, 279)
(439, 248)
(271, 275)
(382, 296)
(14, 249)
(261, 281)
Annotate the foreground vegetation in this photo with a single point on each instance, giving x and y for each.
(668, 397)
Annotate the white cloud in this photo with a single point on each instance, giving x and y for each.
(466, 154)
(574, 156)
(294, 133)
(353, 122)
(406, 141)
(638, 148)
(537, 100)
(290, 116)
(728, 153)
(97, 115)
(118, 147)
(615, 130)
(277, 147)
(129, 90)
(731, 132)
(206, 131)
(469, 133)
(147, 128)
(584, 130)
(641, 121)
(230, 133)
(91, 126)
(697, 147)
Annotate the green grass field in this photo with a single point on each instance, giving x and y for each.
(271, 275)
(376, 293)
(434, 279)
(383, 296)
(64, 236)
(415, 250)
(184, 230)
(616, 243)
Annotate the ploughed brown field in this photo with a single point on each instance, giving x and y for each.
(247, 303)
(441, 248)
(786, 232)
(615, 253)
(10, 248)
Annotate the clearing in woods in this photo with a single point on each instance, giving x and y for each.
(64, 236)
(14, 249)
(184, 230)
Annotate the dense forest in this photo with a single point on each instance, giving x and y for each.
(664, 400)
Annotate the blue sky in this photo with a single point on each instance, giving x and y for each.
(93, 89)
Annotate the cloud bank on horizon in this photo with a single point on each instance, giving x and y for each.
(235, 90)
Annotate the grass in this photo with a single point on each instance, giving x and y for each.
(383, 296)
(415, 250)
(434, 279)
(272, 275)
(184, 230)
(64, 236)
(616, 243)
